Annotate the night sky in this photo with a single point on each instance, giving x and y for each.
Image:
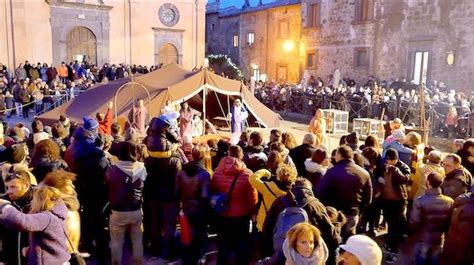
(239, 3)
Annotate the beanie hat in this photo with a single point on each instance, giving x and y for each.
(398, 135)
(90, 124)
(364, 249)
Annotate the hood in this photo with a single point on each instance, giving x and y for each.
(314, 167)
(60, 210)
(303, 191)
(193, 168)
(135, 170)
(231, 165)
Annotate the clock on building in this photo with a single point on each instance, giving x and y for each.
(169, 14)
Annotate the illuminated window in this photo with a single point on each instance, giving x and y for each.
(235, 41)
(251, 38)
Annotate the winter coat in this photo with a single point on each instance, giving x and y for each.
(255, 158)
(346, 187)
(418, 187)
(44, 165)
(456, 182)
(405, 153)
(314, 172)
(194, 187)
(243, 198)
(48, 238)
(430, 217)
(162, 165)
(270, 190)
(396, 178)
(316, 211)
(299, 155)
(459, 245)
(20, 74)
(89, 163)
(126, 180)
(466, 162)
(106, 124)
(17, 240)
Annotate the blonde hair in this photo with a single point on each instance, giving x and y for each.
(413, 138)
(288, 139)
(286, 174)
(302, 229)
(44, 199)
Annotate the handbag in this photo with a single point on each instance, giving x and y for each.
(220, 202)
(186, 230)
(76, 258)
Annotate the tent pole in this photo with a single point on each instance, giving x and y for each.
(204, 110)
(222, 109)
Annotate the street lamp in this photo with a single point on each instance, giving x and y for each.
(288, 45)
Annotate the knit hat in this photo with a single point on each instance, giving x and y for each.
(90, 124)
(398, 135)
(364, 249)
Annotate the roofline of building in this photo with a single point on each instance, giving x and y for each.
(234, 11)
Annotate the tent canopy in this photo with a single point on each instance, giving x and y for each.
(169, 83)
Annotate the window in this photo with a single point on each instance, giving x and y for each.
(420, 69)
(362, 57)
(282, 73)
(364, 10)
(235, 41)
(314, 15)
(311, 59)
(213, 26)
(251, 38)
(283, 29)
(256, 74)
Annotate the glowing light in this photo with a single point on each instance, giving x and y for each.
(288, 45)
(254, 66)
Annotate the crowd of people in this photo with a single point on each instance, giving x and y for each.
(38, 88)
(450, 110)
(80, 190)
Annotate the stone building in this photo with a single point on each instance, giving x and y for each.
(100, 31)
(263, 40)
(414, 39)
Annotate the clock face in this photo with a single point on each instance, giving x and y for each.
(169, 14)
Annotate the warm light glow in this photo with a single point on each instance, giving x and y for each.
(206, 63)
(288, 46)
(254, 66)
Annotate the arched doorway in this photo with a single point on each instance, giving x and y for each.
(168, 54)
(81, 44)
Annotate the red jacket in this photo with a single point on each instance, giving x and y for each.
(243, 198)
(106, 124)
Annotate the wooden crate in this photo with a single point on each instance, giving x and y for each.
(337, 121)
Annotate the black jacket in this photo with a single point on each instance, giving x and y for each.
(44, 165)
(194, 187)
(299, 154)
(397, 179)
(161, 183)
(346, 187)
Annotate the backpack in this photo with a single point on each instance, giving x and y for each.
(287, 219)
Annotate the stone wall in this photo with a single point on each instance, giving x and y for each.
(272, 27)
(399, 28)
(219, 35)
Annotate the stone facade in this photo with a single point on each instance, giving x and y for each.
(124, 31)
(362, 38)
(272, 25)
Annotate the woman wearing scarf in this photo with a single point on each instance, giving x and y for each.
(305, 246)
